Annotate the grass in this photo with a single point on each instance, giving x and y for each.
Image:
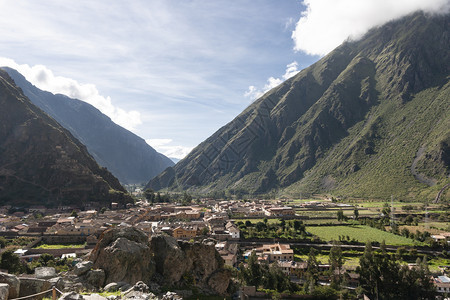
(48, 246)
(350, 262)
(360, 233)
(438, 225)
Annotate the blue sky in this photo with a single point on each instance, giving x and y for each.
(175, 71)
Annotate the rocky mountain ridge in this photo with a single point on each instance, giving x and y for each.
(41, 163)
(127, 156)
(351, 124)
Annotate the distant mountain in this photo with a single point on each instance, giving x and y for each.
(122, 152)
(41, 162)
(370, 119)
(175, 160)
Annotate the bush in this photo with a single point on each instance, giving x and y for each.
(11, 262)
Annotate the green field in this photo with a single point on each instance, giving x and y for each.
(48, 246)
(360, 233)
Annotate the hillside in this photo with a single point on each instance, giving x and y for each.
(371, 119)
(41, 163)
(123, 153)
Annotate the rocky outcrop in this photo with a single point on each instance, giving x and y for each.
(181, 263)
(127, 255)
(124, 254)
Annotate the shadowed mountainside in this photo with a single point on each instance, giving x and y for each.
(41, 163)
(122, 152)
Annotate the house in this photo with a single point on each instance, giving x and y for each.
(284, 211)
(228, 252)
(275, 252)
(233, 231)
(185, 232)
(442, 284)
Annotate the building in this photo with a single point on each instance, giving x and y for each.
(233, 231)
(275, 252)
(285, 211)
(442, 284)
(182, 232)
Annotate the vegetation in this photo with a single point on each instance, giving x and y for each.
(382, 277)
(14, 265)
(365, 129)
(291, 229)
(358, 233)
(264, 276)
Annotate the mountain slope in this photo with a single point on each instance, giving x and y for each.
(41, 162)
(122, 152)
(370, 119)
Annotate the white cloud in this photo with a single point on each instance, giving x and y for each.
(327, 23)
(163, 146)
(43, 78)
(255, 93)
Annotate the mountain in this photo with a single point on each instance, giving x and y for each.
(41, 162)
(122, 152)
(371, 119)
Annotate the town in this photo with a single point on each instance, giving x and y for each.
(277, 233)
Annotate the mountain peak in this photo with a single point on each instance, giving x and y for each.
(341, 124)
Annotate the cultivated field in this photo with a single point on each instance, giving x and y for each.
(360, 233)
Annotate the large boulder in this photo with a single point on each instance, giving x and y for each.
(71, 296)
(4, 291)
(13, 282)
(31, 286)
(171, 262)
(82, 267)
(95, 278)
(219, 281)
(183, 263)
(45, 272)
(124, 254)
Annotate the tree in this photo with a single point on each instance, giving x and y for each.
(187, 199)
(149, 194)
(298, 225)
(356, 213)
(3, 242)
(260, 226)
(11, 262)
(282, 223)
(253, 274)
(74, 214)
(340, 215)
(369, 275)
(336, 260)
(158, 198)
(46, 260)
(312, 270)
(382, 277)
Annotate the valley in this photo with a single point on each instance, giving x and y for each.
(333, 184)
